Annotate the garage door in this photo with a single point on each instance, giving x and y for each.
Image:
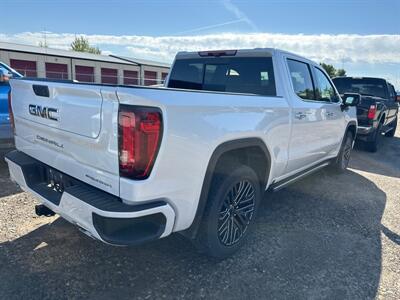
(84, 73)
(56, 71)
(109, 76)
(131, 77)
(25, 67)
(150, 77)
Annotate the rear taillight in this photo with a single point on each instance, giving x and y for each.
(10, 113)
(371, 112)
(140, 132)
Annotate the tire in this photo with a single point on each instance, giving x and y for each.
(343, 157)
(373, 145)
(393, 130)
(226, 224)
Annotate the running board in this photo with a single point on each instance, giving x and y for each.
(387, 130)
(291, 179)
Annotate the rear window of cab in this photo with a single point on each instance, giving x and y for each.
(247, 75)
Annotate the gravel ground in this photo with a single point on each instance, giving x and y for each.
(327, 236)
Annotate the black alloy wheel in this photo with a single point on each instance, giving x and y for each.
(347, 147)
(236, 212)
(230, 212)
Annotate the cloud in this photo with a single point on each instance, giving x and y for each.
(336, 49)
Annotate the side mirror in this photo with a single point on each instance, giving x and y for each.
(351, 99)
(4, 75)
(398, 98)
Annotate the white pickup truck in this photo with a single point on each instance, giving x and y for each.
(133, 164)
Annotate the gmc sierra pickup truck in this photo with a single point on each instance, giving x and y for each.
(378, 108)
(133, 164)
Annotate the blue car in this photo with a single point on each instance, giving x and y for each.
(6, 134)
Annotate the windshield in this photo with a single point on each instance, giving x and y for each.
(14, 73)
(364, 86)
(249, 75)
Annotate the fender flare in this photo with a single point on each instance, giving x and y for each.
(218, 152)
(351, 123)
(383, 109)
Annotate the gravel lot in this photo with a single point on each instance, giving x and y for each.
(328, 236)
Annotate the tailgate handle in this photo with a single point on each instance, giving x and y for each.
(41, 90)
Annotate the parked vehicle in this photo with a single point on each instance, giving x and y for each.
(6, 134)
(378, 109)
(133, 164)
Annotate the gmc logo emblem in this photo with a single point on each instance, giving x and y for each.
(44, 112)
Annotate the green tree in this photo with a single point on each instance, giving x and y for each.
(340, 72)
(81, 44)
(332, 71)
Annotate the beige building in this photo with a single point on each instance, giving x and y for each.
(32, 61)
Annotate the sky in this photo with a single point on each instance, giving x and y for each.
(361, 36)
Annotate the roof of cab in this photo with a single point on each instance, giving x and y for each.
(255, 52)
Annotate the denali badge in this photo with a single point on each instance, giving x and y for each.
(44, 112)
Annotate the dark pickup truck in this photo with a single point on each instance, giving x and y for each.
(377, 110)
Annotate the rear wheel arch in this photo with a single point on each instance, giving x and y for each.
(382, 118)
(351, 127)
(246, 151)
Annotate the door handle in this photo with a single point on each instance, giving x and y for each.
(329, 114)
(300, 115)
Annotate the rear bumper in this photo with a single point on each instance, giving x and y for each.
(365, 133)
(99, 214)
(365, 129)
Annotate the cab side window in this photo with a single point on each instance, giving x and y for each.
(324, 88)
(300, 74)
(392, 92)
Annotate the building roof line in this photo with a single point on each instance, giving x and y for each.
(21, 48)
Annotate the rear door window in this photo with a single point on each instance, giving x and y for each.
(248, 75)
(300, 75)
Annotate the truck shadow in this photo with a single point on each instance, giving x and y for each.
(319, 238)
(386, 161)
(7, 187)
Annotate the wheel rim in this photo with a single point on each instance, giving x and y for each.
(236, 212)
(347, 153)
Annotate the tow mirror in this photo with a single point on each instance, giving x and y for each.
(4, 75)
(351, 99)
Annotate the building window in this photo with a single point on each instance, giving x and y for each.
(131, 77)
(56, 71)
(109, 76)
(163, 76)
(84, 73)
(25, 67)
(150, 78)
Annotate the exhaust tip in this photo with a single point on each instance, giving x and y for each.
(42, 210)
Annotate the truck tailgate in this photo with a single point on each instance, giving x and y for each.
(363, 108)
(70, 127)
